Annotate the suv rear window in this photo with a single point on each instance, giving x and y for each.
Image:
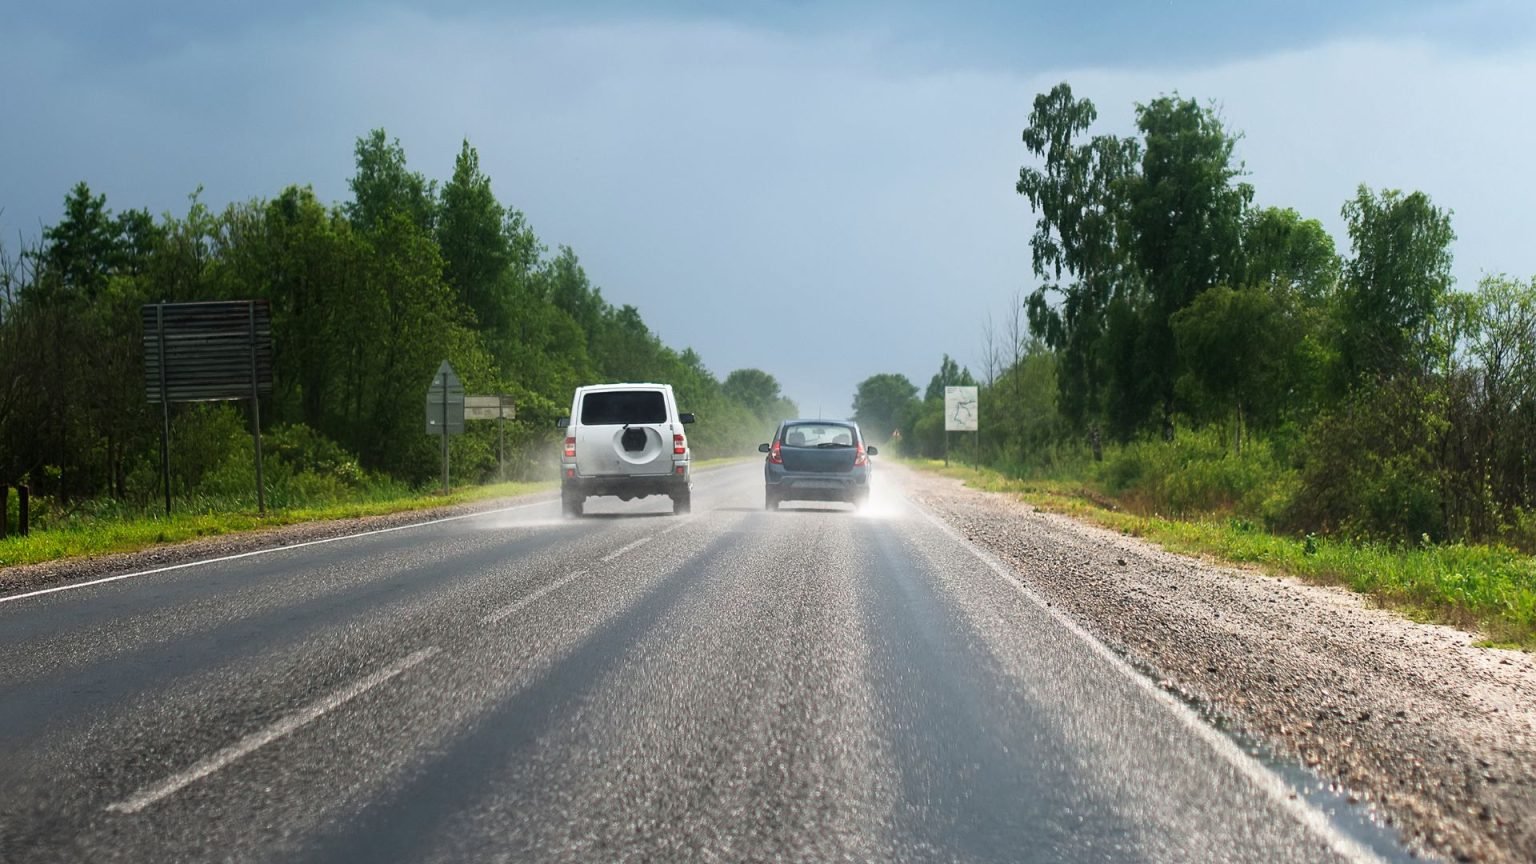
(618, 407)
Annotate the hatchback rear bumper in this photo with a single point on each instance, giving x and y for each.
(797, 486)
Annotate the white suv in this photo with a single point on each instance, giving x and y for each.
(625, 440)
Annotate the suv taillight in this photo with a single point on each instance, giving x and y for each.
(570, 448)
(679, 444)
(774, 455)
(859, 457)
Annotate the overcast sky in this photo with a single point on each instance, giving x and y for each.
(820, 190)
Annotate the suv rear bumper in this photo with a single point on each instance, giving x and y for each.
(626, 486)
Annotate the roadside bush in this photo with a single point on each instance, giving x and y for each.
(301, 467)
(1197, 474)
(1370, 468)
(1520, 532)
(204, 438)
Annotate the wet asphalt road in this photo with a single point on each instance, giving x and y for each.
(808, 685)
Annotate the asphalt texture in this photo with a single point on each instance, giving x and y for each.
(813, 684)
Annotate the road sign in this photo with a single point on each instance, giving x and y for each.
(207, 352)
(500, 408)
(445, 410)
(445, 402)
(489, 408)
(960, 409)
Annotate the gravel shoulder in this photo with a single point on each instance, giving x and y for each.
(31, 577)
(1437, 735)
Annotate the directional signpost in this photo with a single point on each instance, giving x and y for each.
(960, 414)
(445, 410)
(500, 408)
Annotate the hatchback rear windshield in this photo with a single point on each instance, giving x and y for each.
(618, 407)
(818, 435)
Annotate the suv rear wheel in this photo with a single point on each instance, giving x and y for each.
(770, 500)
(682, 503)
(571, 504)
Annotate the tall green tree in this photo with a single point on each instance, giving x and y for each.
(82, 249)
(311, 262)
(1185, 227)
(950, 374)
(1282, 251)
(383, 186)
(881, 402)
(1076, 248)
(755, 389)
(1238, 347)
(471, 232)
(1394, 284)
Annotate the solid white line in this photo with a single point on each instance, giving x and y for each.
(622, 549)
(524, 603)
(171, 567)
(1265, 779)
(256, 740)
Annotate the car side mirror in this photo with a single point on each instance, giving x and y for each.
(872, 450)
(563, 423)
(685, 418)
(763, 448)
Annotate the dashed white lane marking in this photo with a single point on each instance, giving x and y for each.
(627, 547)
(519, 605)
(171, 567)
(256, 740)
(1264, 779)
(524, 603)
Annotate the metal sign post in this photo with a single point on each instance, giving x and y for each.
(165, 411)
(444, 376)
(445, 410)
(261, 486)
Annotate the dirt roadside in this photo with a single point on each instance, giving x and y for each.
(1414, 720)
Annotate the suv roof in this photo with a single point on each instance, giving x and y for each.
(626, 386)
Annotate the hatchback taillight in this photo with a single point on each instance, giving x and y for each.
(774, 455)
(679, 444)
(570, 448)
(859, 457)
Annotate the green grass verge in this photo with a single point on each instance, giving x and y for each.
(110, 534)
(103, 536)
(1491, 589)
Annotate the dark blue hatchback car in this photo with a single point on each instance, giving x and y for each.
(816, 460)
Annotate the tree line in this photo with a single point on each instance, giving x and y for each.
(367, 298)
(1384, 402)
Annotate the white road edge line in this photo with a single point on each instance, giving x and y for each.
(625, 548)
(256, 740)
(171, 567)
(1265, 779)
(524, 603)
